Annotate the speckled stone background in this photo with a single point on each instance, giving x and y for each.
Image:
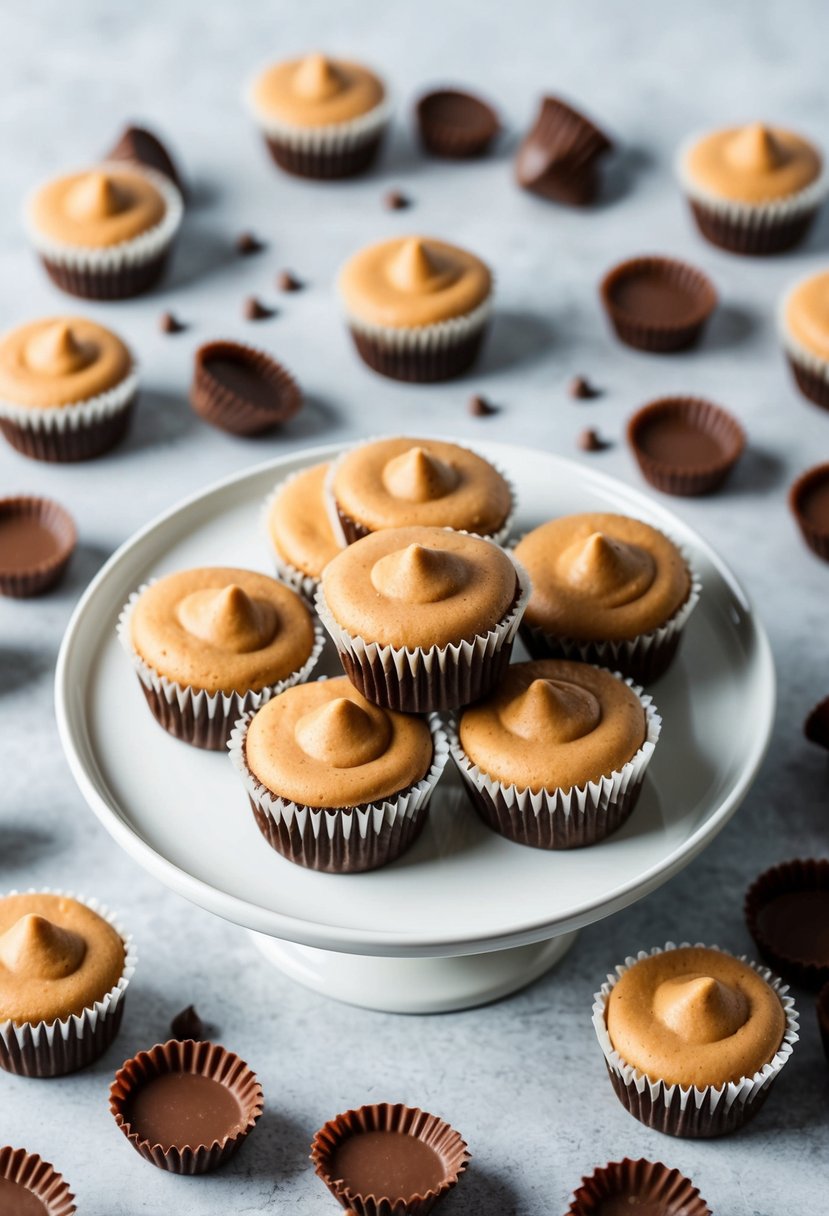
(524, 1079)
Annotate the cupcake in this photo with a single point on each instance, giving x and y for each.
(336, 783)
(30, 1186)
(64, 969)
(417, 308)
(299, 529)
(209, 644)
(105, 233)
(67, 388)
(320, 117)
(556, 755)
(606, 589)
(693, 1038)
(752, 189)
(394, 483)
(423, 618)
(804, 330)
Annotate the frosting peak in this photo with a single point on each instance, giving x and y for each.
(418, 476)
(342, 734)
(317, 78)
(413, 267)
(56, 351)
(555, 711)
(37, 948)
(95, 196)
(756, 148)
(608, 567)
(699, 1008)
(419, 575)
(228, 618)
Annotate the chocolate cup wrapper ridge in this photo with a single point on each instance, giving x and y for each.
(559, 819)
(693, 1112)
(340, 840)
(51, 1049)
(39, 1178)
(193, 715)
(655, 1186)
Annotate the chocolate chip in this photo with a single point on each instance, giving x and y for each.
(582, 390)
(285, 281)
(479, 407)
(188, 1025)
(395, 201)
(591, 441)
(255, 310)
(168, 323)
(816, 726)
(247, 243)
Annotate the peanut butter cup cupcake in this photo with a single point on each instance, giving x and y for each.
(417, 307)
(693, 1038)
(299, 529)
(209, 644)
(556, 755)
(423, 618)
(336, 783)
(396, 483)
(606, 589)
(320, 117)
(67, 388)
(804, 331)
(105, 233)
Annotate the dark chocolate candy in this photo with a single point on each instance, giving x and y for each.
(455, 124)
(144, 148)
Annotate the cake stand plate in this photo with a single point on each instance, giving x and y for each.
(464, 917)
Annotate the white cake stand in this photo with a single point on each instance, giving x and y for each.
(465, 917)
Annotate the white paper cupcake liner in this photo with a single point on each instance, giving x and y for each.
(112, 258)
(425, 339)
(798, 353)
(560, 819)
(691, 1111)
(341, 839)
(338, 137)
(74, 415)
(305, 584)
(51, 1049)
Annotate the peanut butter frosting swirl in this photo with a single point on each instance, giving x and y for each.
(419, 587)
(693, 1016)
(60, 361)
(754, 163)
(97, 208)
(222, 629)
(299, 525)
(57, 958)
(554, 724)
(316, 91)
(602, 577)
(392, 483)
(806, 314)
(412, 281)
(324, 745)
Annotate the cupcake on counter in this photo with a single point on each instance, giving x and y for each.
(105, 233)
(606, 589)
(417, 307)
(299, 529)
(336, 783)
(67, 388)
(753, 189)
(211, 643)
(320, 117)
(804, 329)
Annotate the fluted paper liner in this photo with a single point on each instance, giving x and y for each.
(231, 411)
(40, 1178)
(331, 138)
(705, 417)
(811, 372)
(385, 1116)
(78, 430)
(51, 1049)
(556, 818)
(650, 1182)
(204, 719)
(692, 1112)
(341, 840)
(207, 1060)
(305, 584)
(659, 336)
(41, 575)
(815, 537)
(801, 875)
(422, 354)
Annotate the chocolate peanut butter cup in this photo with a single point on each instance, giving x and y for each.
(787, 913)
(185, 1106)
(685, 445)
(455, 124)
(558, 158)
(657, 304)
(809, 501)
(386, 1158)
(30, 1186)
(646, 1187)
(37, 539)
(242, 390)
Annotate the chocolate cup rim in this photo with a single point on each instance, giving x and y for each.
(784, 878)
(21, 504)
(618, 1172)
(486, 128)
(242, 352)
(679, 403)
(128, 1085)
(60, 1202)
(814, 475)
(707, 295)
(339, 1133)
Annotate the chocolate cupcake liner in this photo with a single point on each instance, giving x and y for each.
(559, 819)
(693, 1112)
(816, 538)
(663, 337)
(810, 371)
(207, 1060)
(422, 354)
(114, 271)
(231, 411)
(706, 417)
(305, 584)
(39, 1178)
(800, 875)
(455, 140)
(384, 1116)
(41, 576)
(652, 1183)
(195, 716)
(52, 1049)
(340, 840)
(422, 681)
(334, 151)
(77, 431)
